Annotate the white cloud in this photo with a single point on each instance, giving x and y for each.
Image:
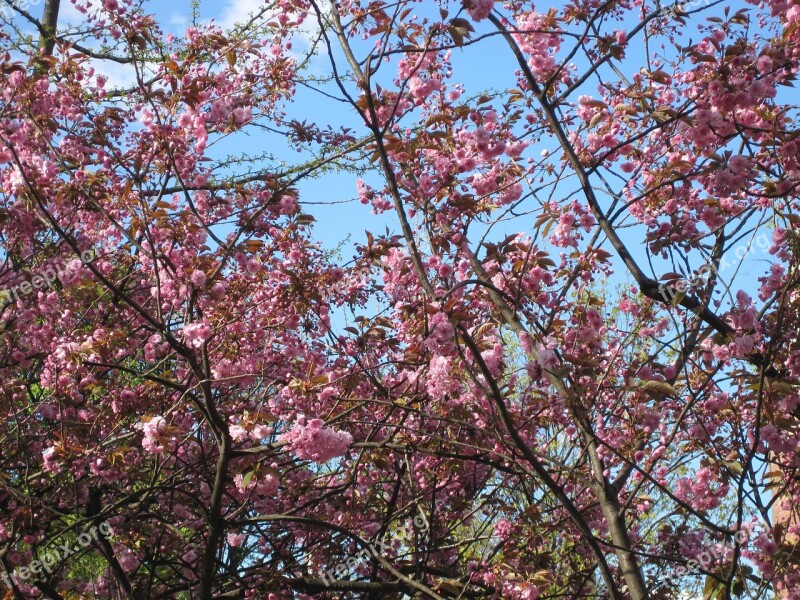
(68, 15)
(179, 21)
(116, 74)
(238, 11)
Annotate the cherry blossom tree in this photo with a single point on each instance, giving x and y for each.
(568, 368)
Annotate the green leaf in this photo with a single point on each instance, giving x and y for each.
(248, 477)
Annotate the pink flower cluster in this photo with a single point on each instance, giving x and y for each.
(773, 282)
(264, 485)
(703, 492)
(196, 334)
(541, 47)
(479, 9)
(156, 435)
(439, 381)
(314, 441)
(440, 338)
(566, 233)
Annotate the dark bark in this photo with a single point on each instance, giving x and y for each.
(47, 41)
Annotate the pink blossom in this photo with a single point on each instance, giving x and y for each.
(773, 282)
(739, 164)
(50, 460)
(445, 270)
(196, 334)
(152, 430)
(493, 358)
(440, 381)
(218, 290)
(128, 560)
(315, 441)
(259, 484)
(546, 356)
(238, 433)
(198, 278)
(422, 88)
(49, 411)
(327, 394)
(541, 41)
(503, 528)
(261, 432)
(479, 9)
(742, 345)
(440, 338)
(764, 64)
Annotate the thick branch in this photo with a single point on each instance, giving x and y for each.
(47, 41)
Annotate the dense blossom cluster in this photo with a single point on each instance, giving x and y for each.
(248, 408)
(316, 442)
